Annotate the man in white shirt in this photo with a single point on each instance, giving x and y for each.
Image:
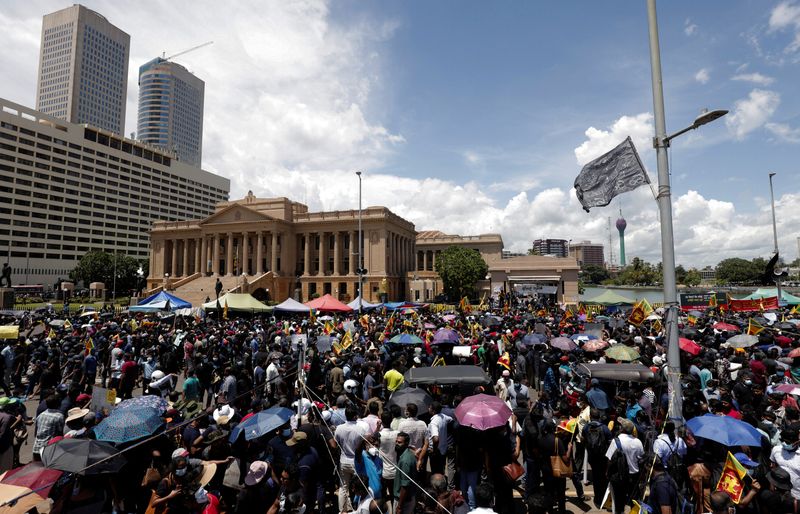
(484, 499)
(436, 440)
(787, 457)
(388, 455)
(623, 485)
(348, 435)
(667, 444)
(417, 430)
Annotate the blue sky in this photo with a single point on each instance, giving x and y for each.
(473, 117)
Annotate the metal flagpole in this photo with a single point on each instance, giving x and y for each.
(775, 236)
(665, 210)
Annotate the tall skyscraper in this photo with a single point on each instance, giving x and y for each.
(171, 109)
(83, 69)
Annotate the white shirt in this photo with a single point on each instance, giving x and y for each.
(388, 440)
(438, 428)
(631, 447)
(481, 510)
(789, 461)
(272, 375)
(347, 436)
(663, 447)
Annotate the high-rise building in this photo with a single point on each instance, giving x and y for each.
(83, 69)
(66, 189)
(171, 109)
(588, 253)
(556, 247)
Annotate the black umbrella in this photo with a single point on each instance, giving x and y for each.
(785, 326)
(73, 455)
(406, 395)
(491, 321)
(689, 333)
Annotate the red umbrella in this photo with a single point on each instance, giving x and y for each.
(33, 476)
(689, 346)
(726, 327)
(789, 388)
(482, 412)
(794, 353)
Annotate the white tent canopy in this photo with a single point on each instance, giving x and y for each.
(290, 305)
(365, 305)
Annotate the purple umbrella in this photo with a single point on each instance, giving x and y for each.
(563, 343)
(446, 335)
(482, 412)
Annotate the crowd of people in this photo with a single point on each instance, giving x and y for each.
(328, 433)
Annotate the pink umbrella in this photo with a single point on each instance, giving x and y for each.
(689, 346)
(789, 388)
(595, 345)
(482, 412)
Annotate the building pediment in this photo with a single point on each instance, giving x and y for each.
(235, 213)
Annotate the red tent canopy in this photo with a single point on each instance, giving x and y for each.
(328, 303)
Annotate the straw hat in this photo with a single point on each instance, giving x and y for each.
(76, 413)
(209, 469)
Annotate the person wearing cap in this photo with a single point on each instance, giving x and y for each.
(308, 462)
(774, 493)
(186, 475)
(504, 383)
(260, 489)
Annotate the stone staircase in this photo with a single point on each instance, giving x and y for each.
(196, 291)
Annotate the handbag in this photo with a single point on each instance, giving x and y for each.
(561, 466)
(513, 471)
(151, 476)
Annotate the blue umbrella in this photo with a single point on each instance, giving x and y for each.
(532, 339)
(129, 424)
(262, 423)
(446, 335)
(405, 338)
(725, 430)
(152, 401)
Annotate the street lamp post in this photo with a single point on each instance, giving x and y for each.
(661, 142)
(775, 235)
(360, 253)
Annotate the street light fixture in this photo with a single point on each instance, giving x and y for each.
(360, 252)
(661, 142)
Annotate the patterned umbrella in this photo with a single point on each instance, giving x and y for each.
(482, 412)
(563, 343)
(150, 401)
(595, 345)
(74, 455)
(620, 352)
(446, 335)
(405, 338)
(129, 424)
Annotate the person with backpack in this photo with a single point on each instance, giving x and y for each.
(663, 491)
(624, 454)
(670, 449)
(596, 438)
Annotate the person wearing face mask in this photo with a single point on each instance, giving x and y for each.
(282, 454)
(177, 490)
(368, 463)
(787, 457)
(742, 390)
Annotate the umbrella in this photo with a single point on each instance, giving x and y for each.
(32, 476)
(696, 314)
(532, 339)
(446, 335)
(482, 412)
(406, 395)
(794, 353)
(408, 310)
(788, 388)
(325, 318)
(602, 318)
(583, 337)
(742, 341)
(793, 321)
(653, 317)
(563, 343)
(689, 346)
(725, 430)
(689, 333)
(785, 325)
(491, 321)
(262, 423)
(149, 401)
(726, 327)
(449, 317)
(620, 352)
(129, 424)
(405, 338)
(73, 455)
(595, 345)
(56, 322)
(429, 326)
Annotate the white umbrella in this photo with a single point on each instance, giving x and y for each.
(741, 341)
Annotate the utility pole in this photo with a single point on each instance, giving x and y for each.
(775, 236)
(360, 253)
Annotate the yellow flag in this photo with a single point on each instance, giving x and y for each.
(646, 307)
(52, 334)
(134, 325)
(225, 310)
(439, 361)
(754, 328)
(67, 325)
(637, 314)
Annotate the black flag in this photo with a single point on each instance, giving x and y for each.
(770, 274)
(611, 174)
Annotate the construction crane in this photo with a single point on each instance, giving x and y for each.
(192, 49)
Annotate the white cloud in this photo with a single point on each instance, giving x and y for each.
(752, 112)
(702, 76)
(786, 15)
(689, 28)
(755, 78)
(473, 158)
(639, 128)
(784, 132)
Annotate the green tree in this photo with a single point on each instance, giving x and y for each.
(533, 251)
(459, 268)
(592, 274)
(680, 274)
(639, 272)
(736, 270)
(99, 266)
(692, 278)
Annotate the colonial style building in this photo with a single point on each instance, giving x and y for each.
(277, 248)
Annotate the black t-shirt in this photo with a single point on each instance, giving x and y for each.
(663, 493)
(774, 502)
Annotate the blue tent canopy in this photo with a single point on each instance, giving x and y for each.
(161, 301)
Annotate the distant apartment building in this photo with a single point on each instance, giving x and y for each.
(66, 189)
(588, 254)
(171, 109)
(555, 247)
(708, 275)
(83, 69)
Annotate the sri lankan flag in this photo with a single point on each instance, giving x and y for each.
(464, 305)
(692, 319)
(731, 480)
(312, 316)
(438, 361)
(637, 315)
(89, 346)
(364, 320)
(328, 328)
(505, 360)
(52, 334)
(581, 310)
(712, 302)
(753, 328)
